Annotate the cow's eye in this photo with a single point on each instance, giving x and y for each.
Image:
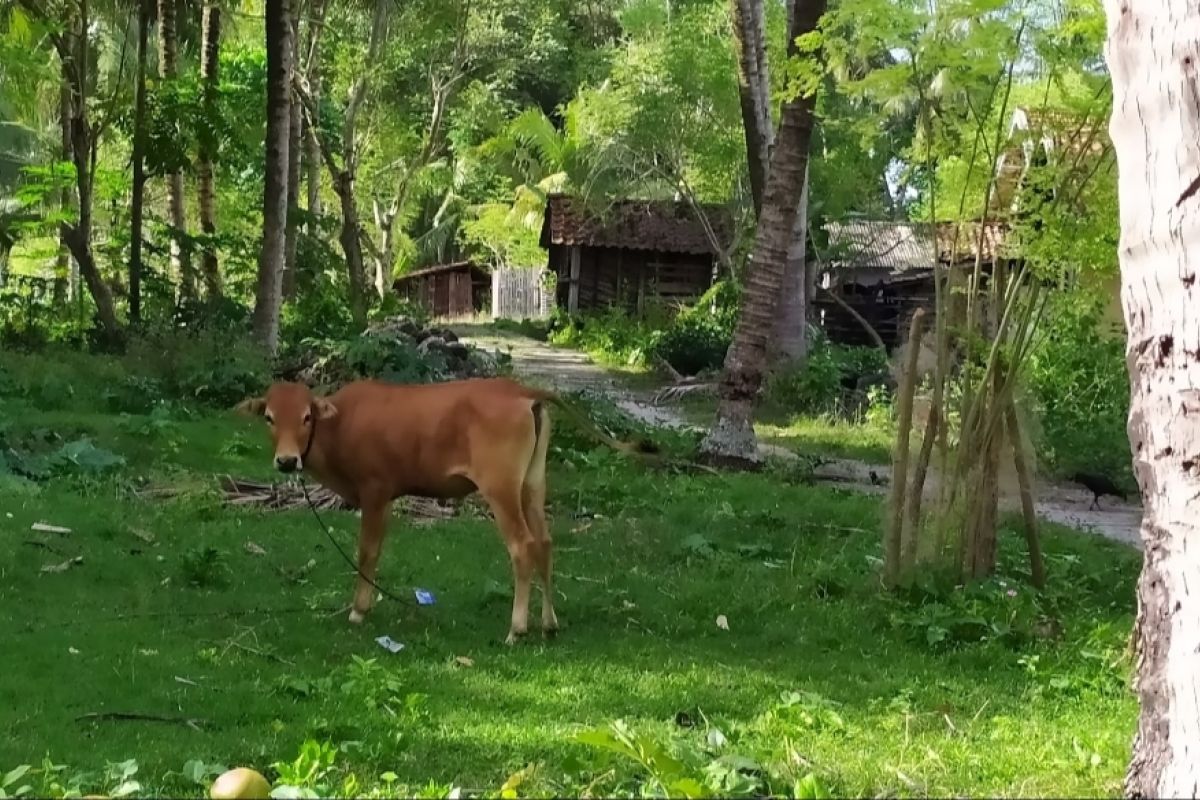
(270, 420)
(308, 418)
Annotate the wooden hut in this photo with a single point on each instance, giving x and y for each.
(461, 289)
(884, 271)
(632, 254)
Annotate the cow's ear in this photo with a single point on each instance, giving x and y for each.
(325, 409)
(251, 406)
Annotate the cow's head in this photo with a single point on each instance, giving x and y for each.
(290, 409)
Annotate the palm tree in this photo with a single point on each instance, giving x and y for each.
(732, 436)
(279, 113)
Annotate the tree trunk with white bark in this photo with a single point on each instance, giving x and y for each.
(1153, 53)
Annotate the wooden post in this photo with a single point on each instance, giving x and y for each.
(573, 286)
(641, 294)
(496, 293)
(618, 295)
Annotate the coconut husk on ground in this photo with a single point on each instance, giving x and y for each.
(289, 496)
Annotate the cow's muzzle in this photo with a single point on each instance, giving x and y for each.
(287, 464)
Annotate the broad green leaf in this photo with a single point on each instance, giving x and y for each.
(15, 775)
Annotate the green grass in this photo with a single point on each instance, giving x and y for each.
(830, 438)
(941, 692)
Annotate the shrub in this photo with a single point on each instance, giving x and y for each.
(692, 340)
(1080, 385)
(211, 365)
(828, 380)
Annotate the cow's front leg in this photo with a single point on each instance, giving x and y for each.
(370, 542)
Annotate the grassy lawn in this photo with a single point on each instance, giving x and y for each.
(944, 691)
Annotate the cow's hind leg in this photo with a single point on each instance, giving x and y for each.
(522, 550)
(370, 542)
(533, 502)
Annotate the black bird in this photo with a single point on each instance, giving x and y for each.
(1098, 485)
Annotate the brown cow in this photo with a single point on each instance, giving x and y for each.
(372, 442)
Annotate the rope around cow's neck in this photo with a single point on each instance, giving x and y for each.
(328, 533)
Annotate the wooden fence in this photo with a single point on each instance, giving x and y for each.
(521, 294)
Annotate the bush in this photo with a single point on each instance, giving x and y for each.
(1080, 385)
(828, 381)
(692, 341)
(214, 366)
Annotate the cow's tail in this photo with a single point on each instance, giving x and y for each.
(643, 448)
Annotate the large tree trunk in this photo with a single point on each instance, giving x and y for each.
(791, 340)
(279, 114)
(295, 149)
(75, 60)
(350, 238)
(732, 436)
(137, 201)
(1153, 54)
(168, 61)
(749, 32)
(210, 57)
(66, 275)
(749, 36)
(312, 147)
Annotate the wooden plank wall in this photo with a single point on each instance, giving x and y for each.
(520, 294)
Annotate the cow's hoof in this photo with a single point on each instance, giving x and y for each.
(550, 632)
(356, 616)
(513, 637)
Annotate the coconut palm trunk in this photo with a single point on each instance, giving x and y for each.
(732, 436)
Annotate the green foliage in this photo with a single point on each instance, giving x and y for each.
(827, 381)
(1078, 380)
(571, 444)
(211, 366)
(692, 340)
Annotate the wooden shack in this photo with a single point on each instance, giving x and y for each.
(633, 253)
(880, 272)
(461, 289)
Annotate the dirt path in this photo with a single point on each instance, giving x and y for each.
(539, 363)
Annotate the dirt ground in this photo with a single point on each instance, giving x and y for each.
(540, 363)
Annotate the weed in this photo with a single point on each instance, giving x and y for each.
(205, 567)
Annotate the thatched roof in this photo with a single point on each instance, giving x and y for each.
(662, 226)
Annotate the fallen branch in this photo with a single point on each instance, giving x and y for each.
(133, 716)
(289, 497)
